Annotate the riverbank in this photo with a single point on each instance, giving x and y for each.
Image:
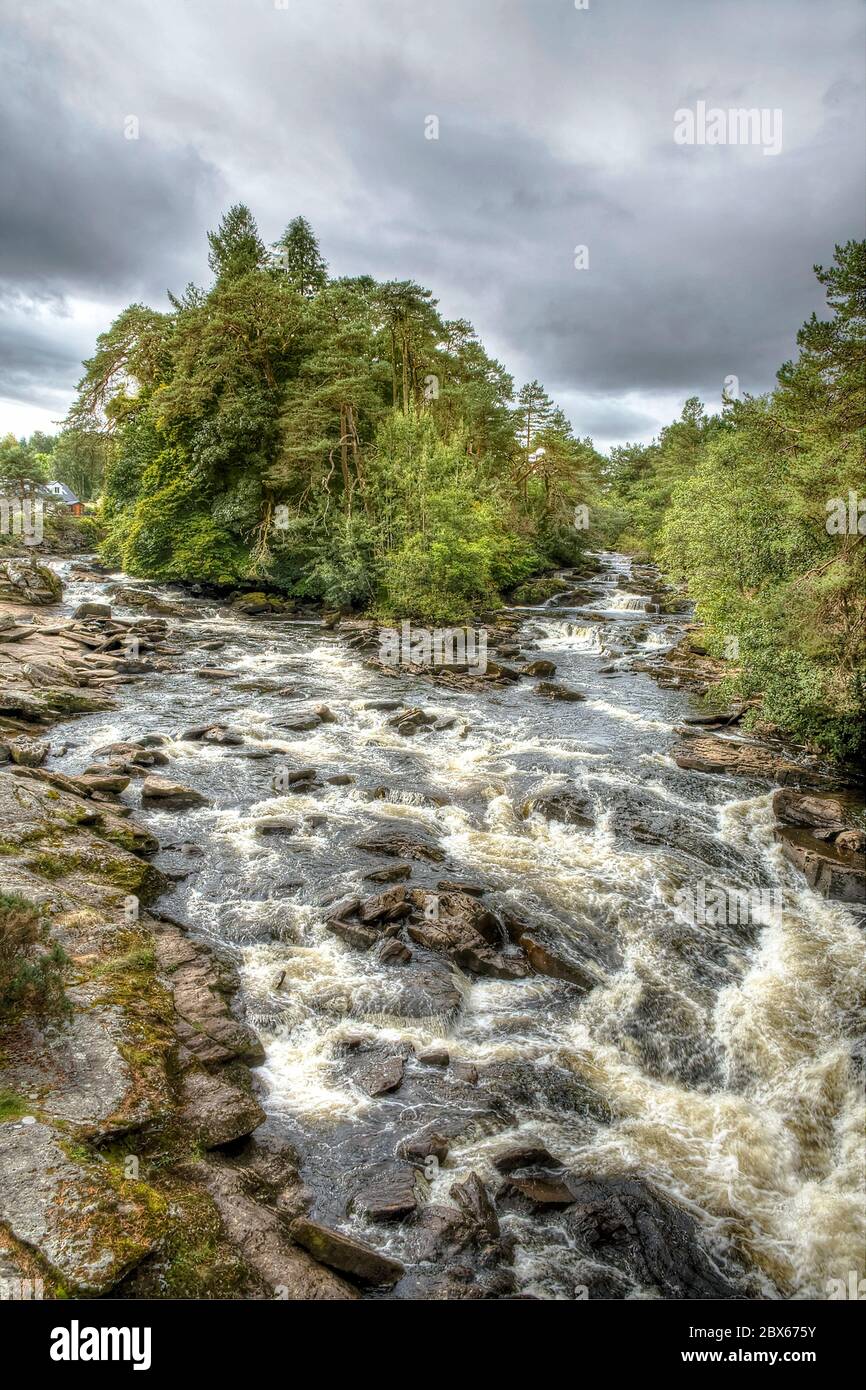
(382, 1127)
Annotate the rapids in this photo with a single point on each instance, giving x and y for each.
(725, 1055)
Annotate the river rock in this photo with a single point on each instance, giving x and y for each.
(389, 1192)
(25, 581)
(409, 721)
(92, 610)
(625, 1223)
(809, 810)
(552, 690)
(524, 1155)
(401, 845)
(474, 1201)
(391, 873)
(28, 752)
(217, 1112)
(167, 792)
(832, 871)
(735, 759)
(538, 668)
(560, 806)
(346, 1254)
(203, 985)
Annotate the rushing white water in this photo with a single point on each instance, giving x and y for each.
(723, 1054)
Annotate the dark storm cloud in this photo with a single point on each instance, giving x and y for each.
(555, 129)
(84, 207)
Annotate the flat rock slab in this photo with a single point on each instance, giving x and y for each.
(67, 1211)
(78, 1072)
(346, 1254)
(391, 1192)
(737, 759)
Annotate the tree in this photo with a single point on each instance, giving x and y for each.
(22, 471)
(298, 256)
(236, 247)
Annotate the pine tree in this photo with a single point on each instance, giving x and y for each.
(236, 247)
(298, 255)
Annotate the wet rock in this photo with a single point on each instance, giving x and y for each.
(542, 1087)
(425, 988)
(108, 784)
(834, 872)
(168, 792)
(346, 1254)
(389, 1192)
(449, 885)
(434, 1057)
(300, 724)
(552, 690)
(217, 1112)
(379, 1072)
(340, 779)
(276, 825)
(362, 938)
(541, 1187)
(525, 1155)
(401, 845)
(221, 734)
(654, 1243)
(558, 956)
(732, 758)
(410, 721)
(390, 906)
(561, 806)
(393, 952)
(538, 668)
(391, 873)
(474, 1202)
(466, 1072)
(427, 1143)
(384, 706)
(460, 927)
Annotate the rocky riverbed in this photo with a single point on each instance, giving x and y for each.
(379, 981)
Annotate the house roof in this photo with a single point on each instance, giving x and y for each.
(63, 492)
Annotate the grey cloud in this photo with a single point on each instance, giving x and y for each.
(555, 130)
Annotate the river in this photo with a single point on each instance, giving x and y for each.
(720, 1057)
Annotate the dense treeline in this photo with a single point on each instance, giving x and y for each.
(340, 440)
(759, 509)
(334, 437)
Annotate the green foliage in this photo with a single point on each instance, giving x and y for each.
(747, 526)
(31, 968)
(337, 439)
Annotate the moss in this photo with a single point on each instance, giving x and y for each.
(13, 1106)
(139, 958)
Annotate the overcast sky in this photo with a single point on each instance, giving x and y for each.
(556, 130)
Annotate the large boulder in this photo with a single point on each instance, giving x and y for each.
(832, 871)
(25, 581)
(217, 1112)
